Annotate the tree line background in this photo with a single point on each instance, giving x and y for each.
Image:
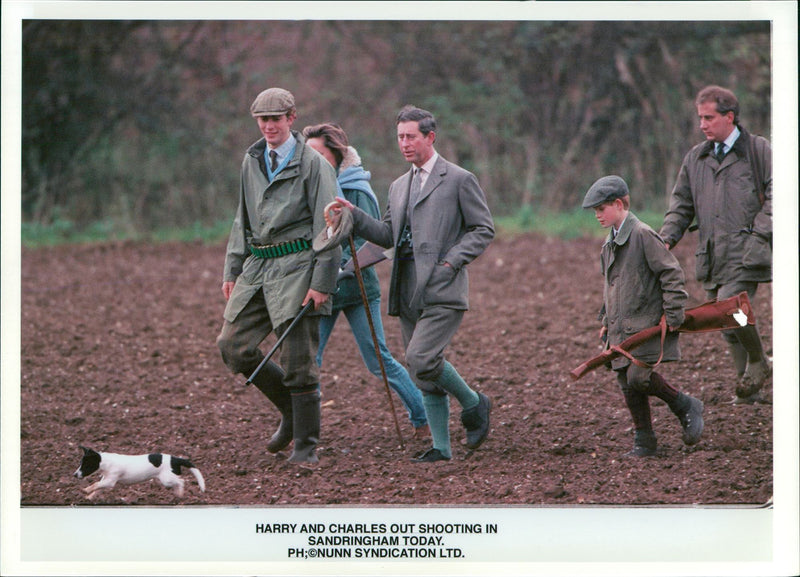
(141, 125)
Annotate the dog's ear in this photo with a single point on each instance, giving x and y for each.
(85, 450)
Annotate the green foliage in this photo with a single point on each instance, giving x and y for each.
(141, 125)
(576, 223)
(64, 232)
(197, 232)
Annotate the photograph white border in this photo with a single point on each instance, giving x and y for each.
(531, 541)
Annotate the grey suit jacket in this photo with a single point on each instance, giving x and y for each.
(451, 222)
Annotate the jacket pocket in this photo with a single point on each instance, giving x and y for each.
(441, 277)
(702, 264)
(446, 287)
(757, 253)
(634, 324)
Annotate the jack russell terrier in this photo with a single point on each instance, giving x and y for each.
(130, 469)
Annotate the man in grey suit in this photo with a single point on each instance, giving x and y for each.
(438, 221)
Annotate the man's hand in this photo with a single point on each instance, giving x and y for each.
(316, 296)
(344, 202)
(227, 288)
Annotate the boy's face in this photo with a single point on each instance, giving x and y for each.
(610, 213)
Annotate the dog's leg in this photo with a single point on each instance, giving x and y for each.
(172, 481)
(103, 483)
(93, 489)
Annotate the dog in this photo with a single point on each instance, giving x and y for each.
(130, 469)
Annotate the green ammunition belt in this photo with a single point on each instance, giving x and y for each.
(280, 249)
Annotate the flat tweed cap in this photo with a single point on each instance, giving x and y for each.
(605, 189)
(272, 102)
(337, 230)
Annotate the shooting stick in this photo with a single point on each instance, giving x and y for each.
(363, 291)
(280, 340)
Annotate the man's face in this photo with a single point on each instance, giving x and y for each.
(714, 125)
(416, 147)
(275, 129)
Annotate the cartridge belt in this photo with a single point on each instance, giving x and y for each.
(280, 249)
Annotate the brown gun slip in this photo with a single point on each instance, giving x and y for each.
(731, 313)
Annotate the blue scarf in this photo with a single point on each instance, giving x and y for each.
(356, 178)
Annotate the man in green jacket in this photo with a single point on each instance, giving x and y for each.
(726, 184)
(271, 271)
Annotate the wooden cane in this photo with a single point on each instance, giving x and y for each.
(363, 291)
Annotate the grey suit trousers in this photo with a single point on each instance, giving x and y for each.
(426, 333)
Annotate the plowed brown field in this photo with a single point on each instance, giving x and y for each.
(118, 353)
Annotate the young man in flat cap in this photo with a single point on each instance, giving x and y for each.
(271, 271)
(643, 281)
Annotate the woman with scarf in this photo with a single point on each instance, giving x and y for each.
(331, 142)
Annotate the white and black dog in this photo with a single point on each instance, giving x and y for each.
(130, 469)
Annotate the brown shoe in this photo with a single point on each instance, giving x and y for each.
(422, 432)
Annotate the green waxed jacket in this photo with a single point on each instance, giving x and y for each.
(733, 218)
(288, 208)
(643, 281)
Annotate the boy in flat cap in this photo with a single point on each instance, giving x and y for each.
(271, 271)
(643, 281)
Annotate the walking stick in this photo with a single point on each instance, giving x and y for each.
(280, 340)
(363, 291)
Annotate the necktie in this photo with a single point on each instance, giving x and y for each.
(720, 154)
(413, 193)
(273, 158)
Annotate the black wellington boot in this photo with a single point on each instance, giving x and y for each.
(690, 413)
(644, 444)
(476, 421)
(270, 382)
(305, 411)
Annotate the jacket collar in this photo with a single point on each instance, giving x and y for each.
(257, 149)
(437, 173)
(739, 146)
(624, 231)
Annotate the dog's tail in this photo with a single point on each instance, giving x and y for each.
(199, 477)
(178, 462)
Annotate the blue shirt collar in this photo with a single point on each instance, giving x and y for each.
(284, 153)
(731, 139)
